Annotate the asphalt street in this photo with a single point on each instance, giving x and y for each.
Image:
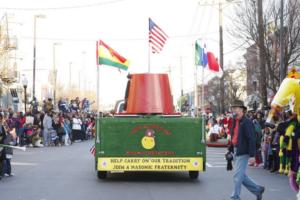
(67, 173)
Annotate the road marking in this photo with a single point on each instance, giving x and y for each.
(215, 153)
(23, 164)
(216, 158)
(208, 165)
(219, 163)
(219, 166)
(24, 153)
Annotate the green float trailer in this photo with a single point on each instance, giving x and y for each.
(149, 135)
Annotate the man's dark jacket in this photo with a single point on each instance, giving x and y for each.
(246, 137)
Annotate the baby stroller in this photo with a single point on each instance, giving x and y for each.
(54, 140)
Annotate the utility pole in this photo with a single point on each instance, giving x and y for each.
(54, 77)
(83, 73)
(70, 75)
(34, 56)
(221, 60)
(79, 80)
(222, 88)
(54, 74)
(34, 52)
(262, 61)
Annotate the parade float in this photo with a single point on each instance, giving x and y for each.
(288, 98)
(149, 135)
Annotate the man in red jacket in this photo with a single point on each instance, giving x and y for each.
(243, 146)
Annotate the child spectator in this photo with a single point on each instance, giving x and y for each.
(265, 146)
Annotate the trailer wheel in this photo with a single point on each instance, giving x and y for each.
(102, 174)
(194, 174)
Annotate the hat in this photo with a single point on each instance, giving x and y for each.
(239, 103)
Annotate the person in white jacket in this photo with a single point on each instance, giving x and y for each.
(214, 131)
(76, 128)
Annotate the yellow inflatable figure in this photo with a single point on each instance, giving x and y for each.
(287, 95)
(285, 142)
(294, 72)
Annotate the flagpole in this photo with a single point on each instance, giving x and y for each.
(201, 62)
(202, 107)
(202, 99)
(98, 99)
(149, 53)
(195, 86)
(98, 86)
(196, 92)
(98, 73)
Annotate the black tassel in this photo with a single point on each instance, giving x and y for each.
(229, 165)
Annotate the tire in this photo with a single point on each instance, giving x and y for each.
(101, 174)
(194, 174)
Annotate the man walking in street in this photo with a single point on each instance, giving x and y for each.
(243, 147)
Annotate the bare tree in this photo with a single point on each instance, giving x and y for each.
(233, 88)
(262, 54)
(245, 31)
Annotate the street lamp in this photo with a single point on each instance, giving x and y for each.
(34, 50)
(54, 74)
(25, 83)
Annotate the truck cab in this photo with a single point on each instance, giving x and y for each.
(119, 107)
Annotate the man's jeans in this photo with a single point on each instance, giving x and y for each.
(240, 177)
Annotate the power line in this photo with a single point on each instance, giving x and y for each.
(115, 39)
(194, 19)
(208, 21)
(64, 7)
(236, 48)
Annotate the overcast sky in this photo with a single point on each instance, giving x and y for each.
(122, 24)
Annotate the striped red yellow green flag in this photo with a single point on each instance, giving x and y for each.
(107, 56)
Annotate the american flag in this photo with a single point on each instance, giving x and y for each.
(157, 37)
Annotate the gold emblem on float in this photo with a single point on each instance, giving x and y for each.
(148, 141)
